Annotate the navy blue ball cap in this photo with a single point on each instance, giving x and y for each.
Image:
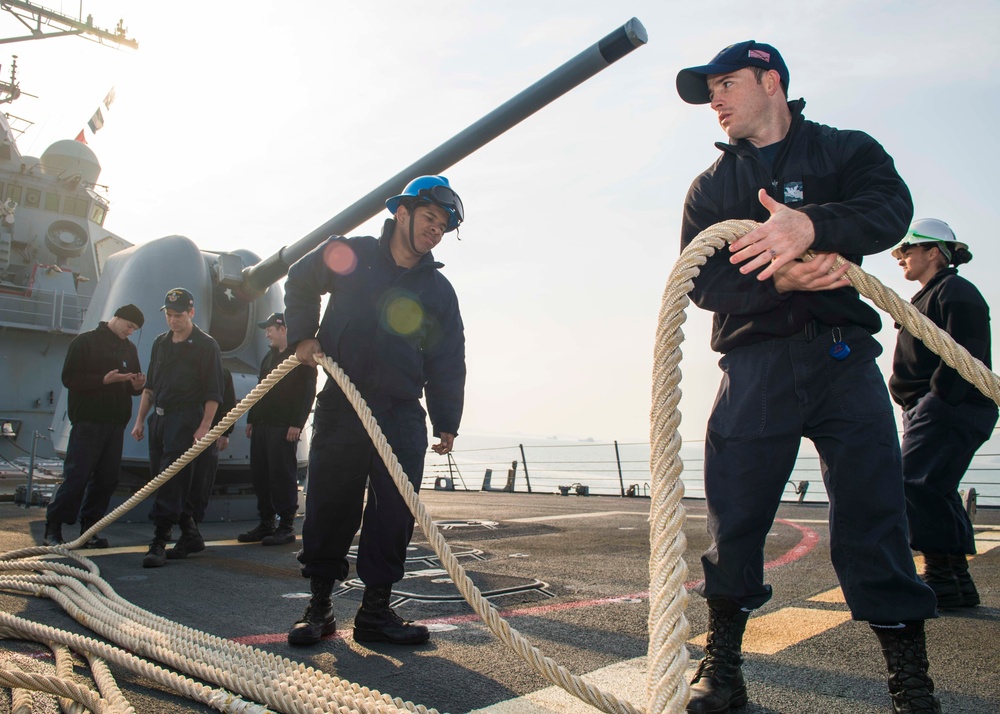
(691, 82)
(275, 318)
(178, 300)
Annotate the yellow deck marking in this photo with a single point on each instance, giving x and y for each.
(985, 545)
(985, 542)
(835, 596)
(95, 552)
(780, 630)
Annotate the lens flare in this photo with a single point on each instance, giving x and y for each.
(340, 258)
(404, 315)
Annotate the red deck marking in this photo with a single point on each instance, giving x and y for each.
(807, 542)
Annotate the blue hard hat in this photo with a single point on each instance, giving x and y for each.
(436, 190)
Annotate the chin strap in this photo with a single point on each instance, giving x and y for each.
(413, 246)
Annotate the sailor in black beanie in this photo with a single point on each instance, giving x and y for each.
(102, 374)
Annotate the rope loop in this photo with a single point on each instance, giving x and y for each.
(242, 676)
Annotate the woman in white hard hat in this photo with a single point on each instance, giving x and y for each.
(945, 418)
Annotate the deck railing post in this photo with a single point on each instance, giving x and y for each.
(618, 460)
(524, 461)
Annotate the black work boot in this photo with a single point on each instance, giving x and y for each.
(905, 650)
(284, 534)
(966, 588)
(189, 542)
(939, 576)
(318, 619)
(53, 534)
(260, 531)
(157, 554)
(97, 540)
(377, 622)
(718, 685)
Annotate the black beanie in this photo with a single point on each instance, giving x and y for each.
(131, 313)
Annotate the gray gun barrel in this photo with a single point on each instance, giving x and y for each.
(585, 65)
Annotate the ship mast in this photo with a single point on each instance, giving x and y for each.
(35, 16)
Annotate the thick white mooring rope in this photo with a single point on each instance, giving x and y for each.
(293, 688)
(666, 685)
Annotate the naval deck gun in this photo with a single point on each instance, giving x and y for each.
(234, 290)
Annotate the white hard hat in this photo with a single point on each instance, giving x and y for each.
(929, 230)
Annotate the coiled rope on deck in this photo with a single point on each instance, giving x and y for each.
(278, 682)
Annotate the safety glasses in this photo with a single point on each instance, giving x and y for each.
(444, 197)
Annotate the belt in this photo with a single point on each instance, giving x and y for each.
(810, 331)
(163, 411)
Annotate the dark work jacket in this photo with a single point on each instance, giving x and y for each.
(848, 186)
(396, 332)
(92, 355)
(288, 402)
(956, 306)
(185, 374)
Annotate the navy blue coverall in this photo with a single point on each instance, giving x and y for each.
(397, 333)
(945, 418)
(780, 383)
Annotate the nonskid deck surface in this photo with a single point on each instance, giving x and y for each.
(568, 573)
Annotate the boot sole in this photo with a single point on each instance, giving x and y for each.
(737, 700)
(376, 636)
(153, 562)
(299, 640)
(284, 541)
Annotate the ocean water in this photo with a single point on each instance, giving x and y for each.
(545, 464)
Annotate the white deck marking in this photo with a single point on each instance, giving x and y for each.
(626, 680)
(598, 514)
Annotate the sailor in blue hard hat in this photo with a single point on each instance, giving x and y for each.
(431, 208)
(394, 326)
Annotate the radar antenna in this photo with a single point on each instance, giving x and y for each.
(9, 91)
(35, 16)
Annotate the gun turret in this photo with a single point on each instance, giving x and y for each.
(254, 280)
(231, 298)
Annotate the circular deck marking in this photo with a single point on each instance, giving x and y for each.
(422, 555)
(441, 627)
(467, 523)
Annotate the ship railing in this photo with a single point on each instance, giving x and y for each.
(613, 468)
(42, 310)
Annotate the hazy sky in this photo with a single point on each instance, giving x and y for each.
(248, 124)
